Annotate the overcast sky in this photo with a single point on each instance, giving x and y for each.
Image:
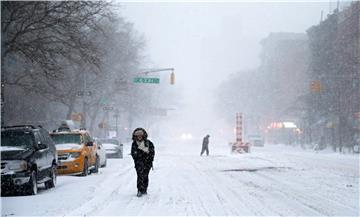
(205, 42)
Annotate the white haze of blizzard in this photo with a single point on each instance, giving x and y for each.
(205, 42)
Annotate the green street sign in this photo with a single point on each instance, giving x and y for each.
(104, 101)
(147, 80)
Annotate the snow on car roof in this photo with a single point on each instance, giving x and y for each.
(71, 132)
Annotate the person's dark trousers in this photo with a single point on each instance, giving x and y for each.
(204, 148)
(142, 179)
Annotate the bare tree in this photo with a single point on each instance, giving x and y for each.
(42, 40)
(43, 33)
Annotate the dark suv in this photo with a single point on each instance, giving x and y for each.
(28, 158)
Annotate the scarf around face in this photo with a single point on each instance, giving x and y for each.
(141, 146)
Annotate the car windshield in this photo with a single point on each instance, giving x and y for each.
(109, 141)
(66, 138)
(109, 146)
(17, 139)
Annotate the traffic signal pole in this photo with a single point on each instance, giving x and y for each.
(157, 70)
(147, 80)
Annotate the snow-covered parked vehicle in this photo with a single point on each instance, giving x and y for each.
(28, 158)
(101, 152)
(76, 152)
(256, 140)
(113, 148)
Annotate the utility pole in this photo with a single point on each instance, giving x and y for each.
(84, 102)
(2, 101)
(131, 113)
(2, 91)
(116, 115)
(322, 16)
(83, 93)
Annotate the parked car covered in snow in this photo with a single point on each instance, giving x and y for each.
(77, 152)
(113, 148)
(28, 158)
(256, 140)
(101, 152)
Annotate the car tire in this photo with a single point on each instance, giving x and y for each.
(51, 183)
(32, 188)
(86, 168)
(104, 163)
(120, 154)
(97, 165)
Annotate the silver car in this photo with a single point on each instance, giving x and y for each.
(101, 153)
(113, 148)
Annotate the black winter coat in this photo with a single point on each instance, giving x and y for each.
(205, 141)
(141, 158)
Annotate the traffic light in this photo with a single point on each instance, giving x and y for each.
(357, 114)
(172, 78)
(315, 86)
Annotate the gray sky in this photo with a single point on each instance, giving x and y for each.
(205, 42)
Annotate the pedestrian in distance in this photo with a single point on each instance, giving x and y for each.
(143, 152)
(205, 145)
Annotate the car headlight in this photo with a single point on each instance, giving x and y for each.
(75, 154)
(17, 165)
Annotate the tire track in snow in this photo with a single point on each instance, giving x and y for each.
(297, 185)
(297, 196)
(236, 204)
(177, 190)
(254, 192)
(175, 193)
(101, 195)
(244, 207)
(198, 177)
(187, 192)
(269, 199)
(153, 202)
(271, 193)
(218, 194)
(193, 178)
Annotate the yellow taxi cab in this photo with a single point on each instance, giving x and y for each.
(76, 152)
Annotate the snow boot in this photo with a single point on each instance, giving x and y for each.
(139, 194)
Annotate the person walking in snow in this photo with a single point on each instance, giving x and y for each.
(205, 145)
(143, 152)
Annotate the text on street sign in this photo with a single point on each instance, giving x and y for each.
(147, 80)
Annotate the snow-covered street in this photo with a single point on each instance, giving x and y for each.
(274, 180)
